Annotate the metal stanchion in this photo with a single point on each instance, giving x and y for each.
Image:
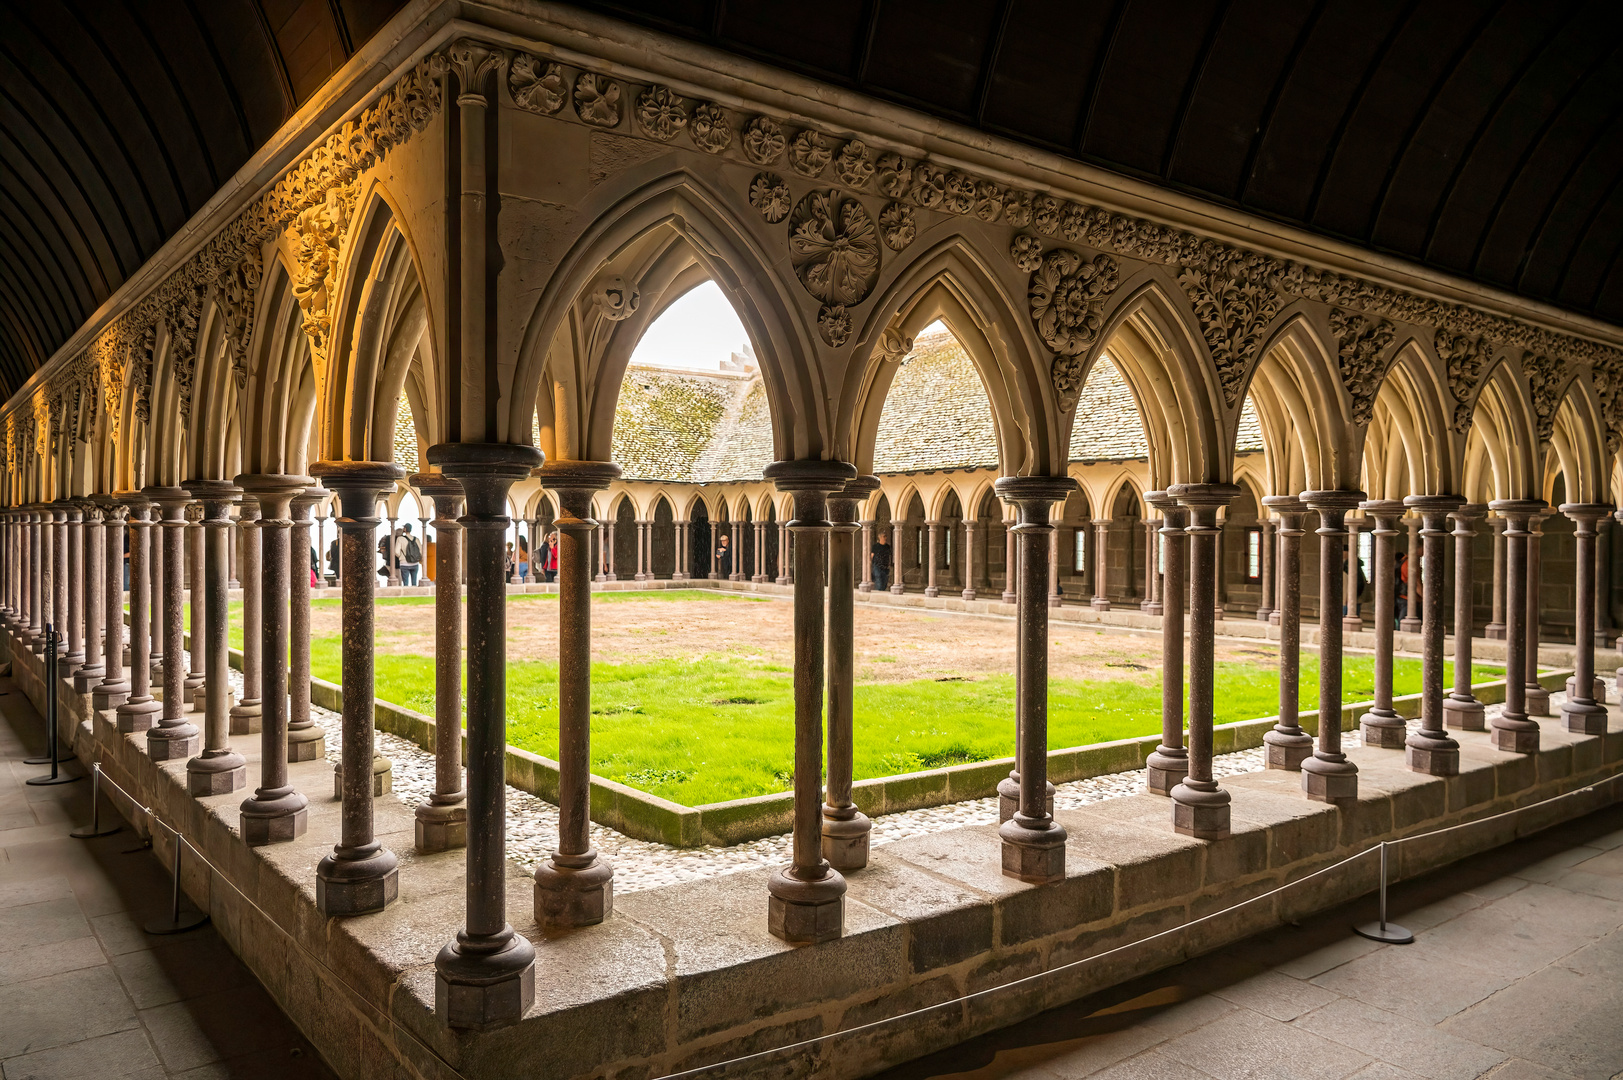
(1391, 933)
(51, 755)
(94, 829)
(177, 922)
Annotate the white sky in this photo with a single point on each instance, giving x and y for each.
(698, 332)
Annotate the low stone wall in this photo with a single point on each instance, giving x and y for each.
(687, 975)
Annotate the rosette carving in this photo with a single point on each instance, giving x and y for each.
(834, 248)
(1045, 211)
(616, 299)
(988, 200)
(1234, 309)
(1017, 208)
(896, 226)
(810, 153)
(597, 100)
(929, 186)
(763, 141)
(894, 175)
(661, 113)
(1067, 295)
(537, 88)
(958, 193)
(709, 128)
(770, 195)
(834, 322)
(852, 164)
(1361, 353)
(1027, 252)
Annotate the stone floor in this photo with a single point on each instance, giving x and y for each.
(84, 991)
(1516, 973)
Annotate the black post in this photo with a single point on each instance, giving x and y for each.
(51, 640)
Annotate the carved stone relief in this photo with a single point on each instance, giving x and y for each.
(1067, 295)
(834, 249)
(537, 88)
(1361, 352)
(1546, 376)
(894, 175)
(810, 153)
(896, 226)
(852, 164)
(1234, 309)
(661, 113)
(710, 129)
(763, 141)
(770, 195)
(321, 230)
(597, 100)
(893, 346)
(1464, 358)
(1027, 252)
(616, 299)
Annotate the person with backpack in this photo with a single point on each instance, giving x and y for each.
(549, 557)
(408, 554)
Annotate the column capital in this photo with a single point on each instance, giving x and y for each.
(436, 485)
(272, 491)
(171, 501)
(216, 497)
(1469, 511)
(1585, 513)
(1171, 510)
(810, 474)
(468, 461)
(1332, 501)
(576, 475)
(1434, 504)
(1517, 513)
(306, 500)
(134, 502)
(1385, 512)
(1204, 496)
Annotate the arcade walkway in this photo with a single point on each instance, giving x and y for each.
(1516, 974)
(84, 992)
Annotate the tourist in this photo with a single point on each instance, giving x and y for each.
(523, 559)
(408, 555)
(507, 564)
(1400, 588)
(549, 557)
(881, 561)
(383, 557)
(724, 558)
(332, 560)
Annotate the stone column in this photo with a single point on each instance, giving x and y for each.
(1328, 776)
(1603, 584)
(785, 576)
(234, 553)
(38, 579)
(1168, 763)
(933, 533)
(1266, 570)
(845, 828)
(1147, 604)
(305, 739)
(642, 550)
(246, 714)
(155, 573)
(1101, 565)
(442, 821)
(1152, 561)
(896, 586)
(59, 576)
(1033, 842)
(1220, 585)
(1200, 808)
(865, 556)
(575, 885)
(1430, 750)
(1056, 596)
(114, 688)
(1382, 726)
(218, 770)
(1496, 626)
(1582, 712)
(73, 569)
(680, 571)
(394, 567)
(360, 875)
(174, 738)
(1009, 572)
(1287, 744)
(93, 670)
(1461, 709)
(967, 562)
(138, 712)
(1353, 621)
(1413, 616)
(1538, 698)
(1512, 730)
(807, 898)
(196, 677)
(608, 551)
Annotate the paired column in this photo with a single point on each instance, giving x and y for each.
(967, 562)
(39, 551)
(575, 885)
(1200, 808)
(1413, 617)
(1538, 698)
(1461, 709)
(1266, 610)
(1582, 712)
(73, 572)
(155, 569)
(1149, 605)
(245, 714)
(93, 670)
(1328, 776)
(1287, 744)
(1353, 622)
(195, 694)
(442, 821)
(305, 739)
(1056, 597)
(218, 770)
(1496, 626)
(114, 688)
(394, 566)
(174, 738)
(807, 898)
(137, 713)
(1513, 730)
(1603, 584)
(360, 875)
(1382, 726)
(1430, 750)
(934, 534)
(645, 552)
(845, 828)
(1101, 565)
(1168, 763)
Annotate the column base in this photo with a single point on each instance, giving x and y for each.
(1286, 751)
(246, 718)
(1515, 736)
(1585, 718)
(1433, 756)
(1008, 798)
(1007, 598)
(1604, 638)
(1274, 618)
(1413, 626)
(194, 693)
(931, 591)
(1201, 812)
(865, 587)
(382, 777)
(306, 744)
(1033, 855)
(1264, 614)
(1099, 603)
(280, 816)
(897, 590)
(1464, 714)
(1597, 693)
(782, 581)
(357, 886)
(441, 827)
(1351, 625)
(845, 839)
(968, 594)
(1494, 631)
(1164, 770)
(477, 990)
(135, 717)
(106, 697)
(1384, 729)
(805, 912)
(1329, 781)
(86, 678)
(174, 742)
(1150, 607)
(1538, 701)
(216, 772)
(1056, 600)
(567, 896)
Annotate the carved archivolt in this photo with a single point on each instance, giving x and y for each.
(1361, 352)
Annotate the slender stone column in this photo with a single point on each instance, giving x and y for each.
(442, 821)
(738, 573)
(896, 586)
(845, 828)
(197, 676)
(1168, 763)
(1200, 807)
(865, 556)
(1328, 776)
(246, 715)
(1382, 726)
(968, 560)
(1353, 621)
(60, 614)
(138, 712)
(1413, 615)
(1056, 596)
(1496, 627)
(1101, 565)
(174, 738)
(1538, 698)
(1009, 572)
(784, 575)
(807, 898)
(305, 739)
(394, 567)
(682, 570)
(1266, 571)
(114, 688)
(1033, 842)
(1461, 709)
(575, 885)
(1430, 750)
(1512, 730)
(933, 532)
(38, 579)
(644, 559)
(1152, 565)
(234, 553)
(218, 770)
(1603, 585)
(73, 568)
(1287, 744)
(1220, 585)
(1582, 712)
(360, 875)
(155, 573)
(92, 670)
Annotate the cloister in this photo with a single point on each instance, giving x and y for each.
(420, 300)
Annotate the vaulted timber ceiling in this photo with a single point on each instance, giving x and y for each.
(119, 119)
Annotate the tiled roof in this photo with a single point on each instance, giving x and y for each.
(936, 415)
(405, 438)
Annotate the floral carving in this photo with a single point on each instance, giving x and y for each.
(238, 289)
(1545, 376)
(852, 164)
(810, 153)
(321, 230)
(1027, 252)
(988, 200)
(896, 226)
(958, 195)
(141, 373)
(763, 141)
(184, 319)
(1464, 358)
(1045, 214)
(895, 175)
(709, 128)
(893, 346)
(1067, 295)
(1017, 208)
(616, 299)
(597, 100)
(834, 322)
(834, 248)
(929, 186)
(1234, 309)
(661, 113)
(473, 63)
(770, 195)
(535, 88)
(1361, 348)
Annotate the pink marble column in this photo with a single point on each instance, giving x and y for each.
(1513, 730)
(1287, 745)
(1328, 776)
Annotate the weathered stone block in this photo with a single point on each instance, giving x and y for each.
(257, 831)
(1433, 762)
(443, 831)
(1204, 822)
(1288, 757)
(1330, 787)
(570, 897)
(357, 895)
(805, 923)
(216, 782)
(1388, 734)
(173, 748)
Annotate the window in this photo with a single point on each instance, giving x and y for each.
(1253, 556)
(1081, 534)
